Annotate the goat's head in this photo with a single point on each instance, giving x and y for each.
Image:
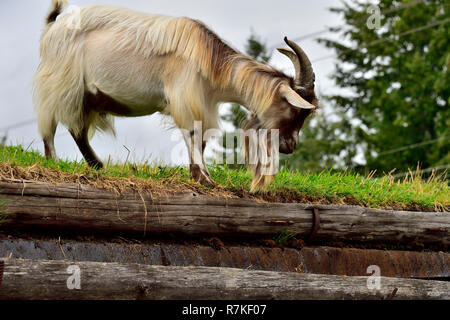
(293, 103)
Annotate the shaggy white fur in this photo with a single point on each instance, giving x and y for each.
(171, 64)
(148, 63)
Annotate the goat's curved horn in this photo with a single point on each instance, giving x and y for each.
(307, 77)
(291, 55)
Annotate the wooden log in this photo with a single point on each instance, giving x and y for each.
(82, 208)
(31, 279)
(316, 260)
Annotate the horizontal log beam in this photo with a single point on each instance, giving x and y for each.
(30, 279)
(76, 207)
(316, 260)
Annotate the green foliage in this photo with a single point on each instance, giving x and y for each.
(257, 49)
(285, 236)
(3, 215)
(321, 144)
(327, 186)
(399, 79)
(3, 140)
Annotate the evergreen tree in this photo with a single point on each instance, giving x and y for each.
(399, 78)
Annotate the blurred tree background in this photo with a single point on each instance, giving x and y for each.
(395, 111)
(398, 76)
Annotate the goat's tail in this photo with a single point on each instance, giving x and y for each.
(57, 7)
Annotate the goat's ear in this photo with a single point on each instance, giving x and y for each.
(294, 98)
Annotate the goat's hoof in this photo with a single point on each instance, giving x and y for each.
(207, 181)
(201, 176)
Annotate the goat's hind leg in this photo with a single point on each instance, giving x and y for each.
(48, 130)
(89, 155)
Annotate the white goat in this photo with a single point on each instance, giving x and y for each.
(118, 62)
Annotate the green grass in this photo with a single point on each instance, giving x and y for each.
(285, 236)
(3, 214)
(411, 192)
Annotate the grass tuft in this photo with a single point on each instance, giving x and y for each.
(284, 237)
(327, 187)
(3, 214)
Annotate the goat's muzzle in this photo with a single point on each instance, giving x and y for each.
(287, 146)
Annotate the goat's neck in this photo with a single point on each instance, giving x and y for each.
(251, 84)
(231, 95)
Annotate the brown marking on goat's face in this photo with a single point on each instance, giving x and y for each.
(288, 120)
(290, 128)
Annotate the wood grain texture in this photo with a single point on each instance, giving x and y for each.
(84, 208)
(315, 259)
(30, 279)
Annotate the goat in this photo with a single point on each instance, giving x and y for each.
(118, 62)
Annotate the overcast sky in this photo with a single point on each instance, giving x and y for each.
(21, 23)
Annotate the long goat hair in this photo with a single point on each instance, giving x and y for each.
(60, 82)
(104, 61)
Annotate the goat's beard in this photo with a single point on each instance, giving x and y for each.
(259, 155)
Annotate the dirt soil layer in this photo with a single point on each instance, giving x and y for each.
(314, 260)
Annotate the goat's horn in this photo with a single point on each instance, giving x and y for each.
(291, 55)
(307, 77)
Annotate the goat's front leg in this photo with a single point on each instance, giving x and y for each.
(198, 169)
